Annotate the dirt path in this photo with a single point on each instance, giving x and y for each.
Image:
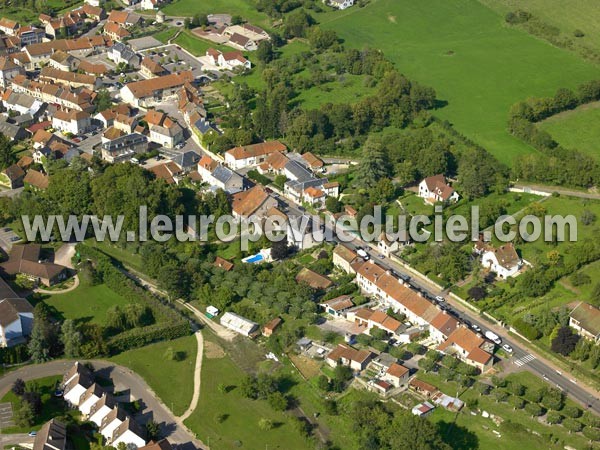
(219, 330)
(197, 378)
(63, 291)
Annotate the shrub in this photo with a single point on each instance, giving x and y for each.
(526, 329)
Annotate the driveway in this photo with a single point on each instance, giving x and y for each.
(123, 379)
(64, 255)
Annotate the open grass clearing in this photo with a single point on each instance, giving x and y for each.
(577, 130)
(229, 419)
(464, 50)
(174, 381)
(85, 304)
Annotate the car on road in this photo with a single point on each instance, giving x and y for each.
(404, 277)
(544, 377)
(507, 348)
(7, 229)
(440, 299)
(493, 337)
(15, 239)
(476, 328)
(32, 433)
(380, 256)
(363, 254)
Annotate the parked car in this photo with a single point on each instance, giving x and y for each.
(32, 433)
(440, 299)
(476, 328)
(15, 239)
(507, 348)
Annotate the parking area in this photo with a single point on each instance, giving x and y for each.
(7, 238)
(6, 415)
(174, 59)
(341, 326)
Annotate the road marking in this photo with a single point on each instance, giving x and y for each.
(524, 360)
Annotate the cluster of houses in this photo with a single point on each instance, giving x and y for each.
(244, 37)
(446, 332)
(101, 408)
(98, 407)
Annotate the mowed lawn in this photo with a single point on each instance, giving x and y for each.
(239, 429)
(172, 379)
(86, 303)
(567, 15)
(463, 49)
(578, 129)
(244, 8)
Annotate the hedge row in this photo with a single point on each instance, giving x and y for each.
(170, 323)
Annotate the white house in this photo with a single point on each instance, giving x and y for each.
(76, 387)
(128, 432)
(111, 421)
(435, 189)
(16, 319)
(585, 319)
(504, 260)
(101, 409)
(250, 155)
(74, 122)
(89, 398)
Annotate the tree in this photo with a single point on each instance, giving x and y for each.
(534, 409)
(411, 432)
(323, 383)
(482, 388)
(7, 156)
(427, 364)
(23, 415)
(280, 250)
(103, 100)
(572, 425)
(278, 401)
(553, 417)
(374, 164)
(153, 430)
(264, 52)
(593, 434)
(71, 339)
(571, 411)
(38, 344)
(500, 395)
(333, 205)
(565, 341)
(516, 402)
(18, 387)
(265, 424)
(588, 217)
(516, 388)
(477, 293)
(236, 20)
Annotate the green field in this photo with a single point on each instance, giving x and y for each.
(578, 129)
(243, 8)
(240, 428)
(85, 304)
(174, 382)
(567, 15)
(463, 50)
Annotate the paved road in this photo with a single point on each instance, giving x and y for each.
(551, 189)
(123, 379)
(15, 439)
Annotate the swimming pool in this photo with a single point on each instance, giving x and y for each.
(254, 259)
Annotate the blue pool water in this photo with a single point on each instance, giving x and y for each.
(254, 259)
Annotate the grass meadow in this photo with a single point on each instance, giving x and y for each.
(578, 129)
(244, 8)
(567, 15)
(85, 304)
(174, 382)
(479, 66)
